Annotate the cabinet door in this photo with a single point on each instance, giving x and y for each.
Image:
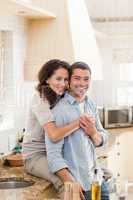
(120, 159)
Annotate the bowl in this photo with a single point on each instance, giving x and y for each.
(15, 160)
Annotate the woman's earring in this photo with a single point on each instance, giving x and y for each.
(47, 86)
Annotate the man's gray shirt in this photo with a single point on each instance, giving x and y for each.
(76, 151)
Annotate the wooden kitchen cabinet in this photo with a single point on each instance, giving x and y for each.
(48, 39)
(120, 157)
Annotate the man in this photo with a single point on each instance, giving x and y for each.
(74, 158)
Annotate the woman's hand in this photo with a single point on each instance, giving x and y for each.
(81, 190)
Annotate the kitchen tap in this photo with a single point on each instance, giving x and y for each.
(1, 157)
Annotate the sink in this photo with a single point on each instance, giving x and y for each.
(13, 183)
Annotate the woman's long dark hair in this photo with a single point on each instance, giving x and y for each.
(46, 71)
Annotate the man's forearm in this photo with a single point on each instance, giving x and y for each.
(88, 125)
(65, 175)
(96, 138)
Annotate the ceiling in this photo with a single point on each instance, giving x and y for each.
(110, 8)
(112, 17)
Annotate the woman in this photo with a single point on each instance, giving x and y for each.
(53, 81)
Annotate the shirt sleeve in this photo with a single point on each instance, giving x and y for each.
(55, 159)
(40, 108)
(54, 150)
(100, 129)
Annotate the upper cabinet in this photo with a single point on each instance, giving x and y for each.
(25, 9)
(48, 38)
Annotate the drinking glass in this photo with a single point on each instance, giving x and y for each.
(121, 189)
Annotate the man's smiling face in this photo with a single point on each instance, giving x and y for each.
(80, 82)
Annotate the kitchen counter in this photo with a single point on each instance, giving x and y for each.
(35, 192)
(120, 130)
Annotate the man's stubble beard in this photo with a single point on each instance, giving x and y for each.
(79, 93)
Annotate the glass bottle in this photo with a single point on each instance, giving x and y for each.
(96, 187)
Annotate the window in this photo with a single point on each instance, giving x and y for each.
(126, 71)
(124, 90)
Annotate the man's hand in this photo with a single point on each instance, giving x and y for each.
(73, 187)
(81, 190)
(66, 176)
(87, 122)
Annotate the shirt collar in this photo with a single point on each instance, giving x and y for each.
(71, 99)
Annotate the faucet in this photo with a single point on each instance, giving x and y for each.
(1, 156)
(1, 118)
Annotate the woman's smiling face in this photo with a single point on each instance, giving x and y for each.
(58, 82)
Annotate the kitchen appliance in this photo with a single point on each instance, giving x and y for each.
(120, 116)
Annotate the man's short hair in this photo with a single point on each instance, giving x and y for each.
(79, 65)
